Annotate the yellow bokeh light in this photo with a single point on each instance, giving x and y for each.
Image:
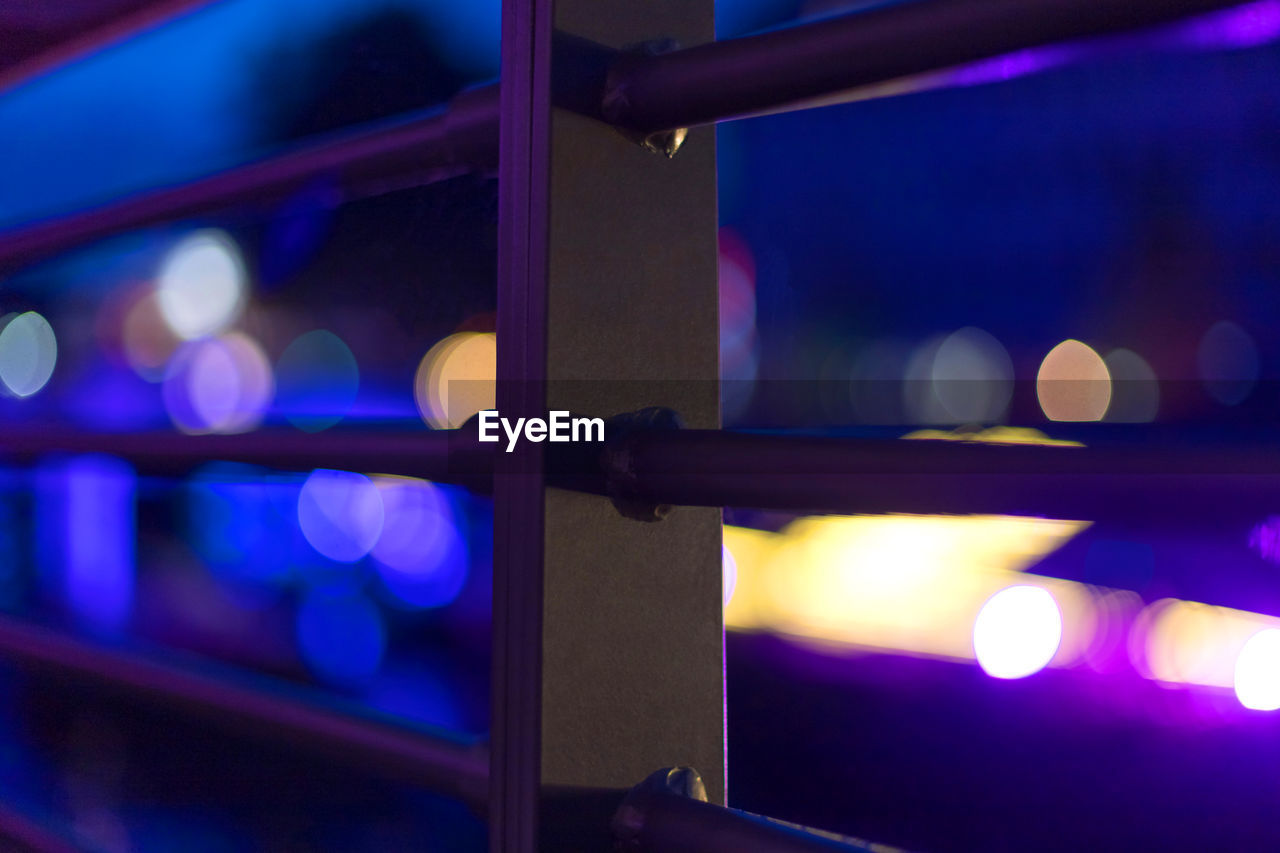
(1186, 642)
(752, 550)
(1073, 383)
(915, 585)
(994, 435)
(457, 378)
(911, 584)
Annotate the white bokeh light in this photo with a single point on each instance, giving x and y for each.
(1135, 389)
(220, 385)
(28, 353)
(972, 377)
(1017, 632)
(1257, 675)
(729, 573)
(201, 285)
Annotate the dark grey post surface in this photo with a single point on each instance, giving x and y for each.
(608, 631)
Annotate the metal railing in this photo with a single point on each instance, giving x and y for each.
(643, 92)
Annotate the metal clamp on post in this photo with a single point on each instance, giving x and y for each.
(617, 461)
(668, 813)
(629, 822)
(616, 103)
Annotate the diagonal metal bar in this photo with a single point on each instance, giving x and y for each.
(64, 49)
(807, 65)
(784, 68)
(454, 768)
(411, 150)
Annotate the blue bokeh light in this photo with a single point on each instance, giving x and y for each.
(108, 398)
(341, 636)
(86, 530)
(420, 556)
(340, 514)
(317, 380)
(235, 515)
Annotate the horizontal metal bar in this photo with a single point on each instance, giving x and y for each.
(453, 768)
(819, 474)
(443, 455)
(72, 47)
(783, 68)
(411, 150)
(1159, 479)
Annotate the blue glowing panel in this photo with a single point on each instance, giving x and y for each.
(86, 529)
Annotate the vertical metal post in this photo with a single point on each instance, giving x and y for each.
(608, 633)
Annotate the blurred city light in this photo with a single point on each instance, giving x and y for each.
(28, 353)
(920, 400)
(220, 385)
(971, 377)
(993, 435)
(201, 284)
(340, 514)
(1257, 671)
(739, 341)
(728, 573)
(912, 584)
(146, 338)
(456, 379)
(1264, 538)
(420, 554)
(238, 520)
(1115, 613)
(1073, 383)
(737, 297)
(317, 380)
(752, 552)
(86, 537)
(952, 587)
(1187, 642)
(341, 636)
(1227, 360)
(1135, 390)
(876, 387)
(1246, 25)
(1017, 632)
